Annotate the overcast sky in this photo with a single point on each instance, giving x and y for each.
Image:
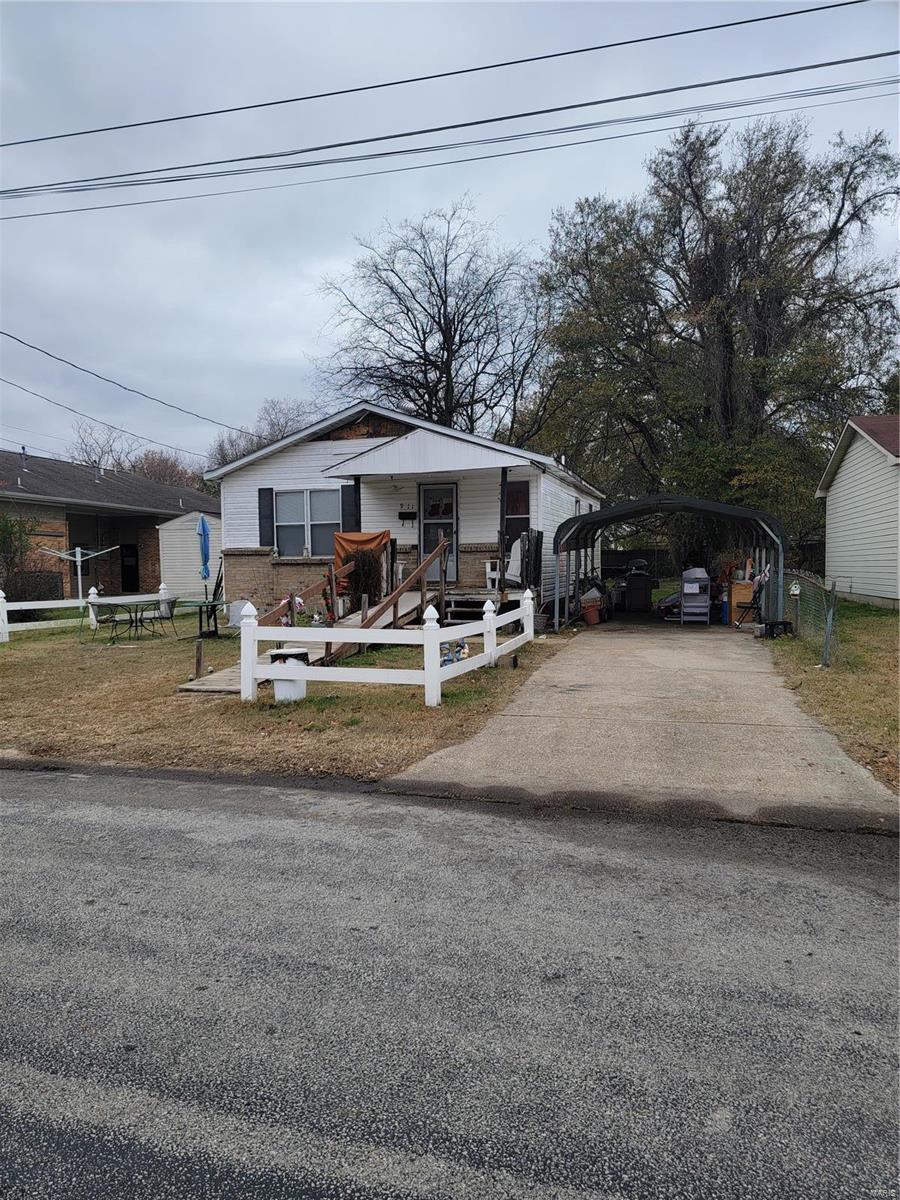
(214, 304)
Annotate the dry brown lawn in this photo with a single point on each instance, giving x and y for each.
(857, 697)
(60, 699)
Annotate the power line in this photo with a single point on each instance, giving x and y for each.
(371, 87)
(97, 420)
(125, 388)
(431, 129)
(40, 450)
(275, 187)
(36, 432)
(711, 106)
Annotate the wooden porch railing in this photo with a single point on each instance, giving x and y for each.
(415, 578)
(284, 608)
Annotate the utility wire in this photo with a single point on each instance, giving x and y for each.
(35, 432)
(88, 417)
(37, 450)
(371, 87)
(125, 388)
(275, 187)
(430, 129)
(711, 106)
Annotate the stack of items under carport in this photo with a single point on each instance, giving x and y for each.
(695, 597)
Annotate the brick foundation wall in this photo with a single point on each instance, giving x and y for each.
(253, 574)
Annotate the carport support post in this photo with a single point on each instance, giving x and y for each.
(248, 652)
(568, 581)
(556, 592)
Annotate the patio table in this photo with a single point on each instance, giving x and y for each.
(133, 606)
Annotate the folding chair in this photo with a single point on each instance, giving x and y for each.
(754, 604)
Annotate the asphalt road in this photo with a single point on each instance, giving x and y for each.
(229, 991)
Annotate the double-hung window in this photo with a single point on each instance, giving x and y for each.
(306, 521)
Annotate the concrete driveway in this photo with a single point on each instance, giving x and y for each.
(213, 992)
(650, 716)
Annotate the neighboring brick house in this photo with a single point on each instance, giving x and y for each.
(78, 505)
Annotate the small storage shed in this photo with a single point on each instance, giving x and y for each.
(861, 489)
(179, 554)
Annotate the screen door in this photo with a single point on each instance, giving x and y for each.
(437, 507)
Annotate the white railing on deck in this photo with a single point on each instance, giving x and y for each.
(431, 676)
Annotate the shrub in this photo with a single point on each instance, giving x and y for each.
(365, 578)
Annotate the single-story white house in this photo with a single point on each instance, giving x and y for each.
(861, 488)
(179, 555)
(369, 468)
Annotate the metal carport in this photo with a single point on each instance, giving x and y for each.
(577, 535)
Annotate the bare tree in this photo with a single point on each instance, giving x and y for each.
(439, 322)
(276, 419)
(168, 466)
(99, 446)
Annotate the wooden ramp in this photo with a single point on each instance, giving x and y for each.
(229, 678)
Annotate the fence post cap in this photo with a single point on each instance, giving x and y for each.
(489, 607)
(2, 594)
(93, 592)
(248, 612)
(430, 617)
(163, 590)
(528, 595)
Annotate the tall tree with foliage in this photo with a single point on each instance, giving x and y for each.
(714, 333)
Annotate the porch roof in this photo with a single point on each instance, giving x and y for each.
(422, 452)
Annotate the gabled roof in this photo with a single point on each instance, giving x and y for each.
(422, 452)
(346, 415)
(883, 432)
(53, 481)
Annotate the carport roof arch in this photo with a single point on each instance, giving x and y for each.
(579, 532)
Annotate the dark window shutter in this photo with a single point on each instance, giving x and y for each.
(349, 519)
(266, 503)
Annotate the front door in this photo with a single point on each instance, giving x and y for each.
(437, 508)
(130, 576)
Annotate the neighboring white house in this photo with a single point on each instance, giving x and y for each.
(861, 487)
(179, 555)
(368, 468)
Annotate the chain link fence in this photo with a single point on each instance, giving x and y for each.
(810, 602)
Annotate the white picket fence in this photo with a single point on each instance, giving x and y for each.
(430, 637)
(8, 606)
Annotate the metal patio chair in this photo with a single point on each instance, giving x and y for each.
(112, 618)
(159, 613)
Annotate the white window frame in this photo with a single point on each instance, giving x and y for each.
(307, 522)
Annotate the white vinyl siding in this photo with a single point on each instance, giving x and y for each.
(179, 555)
(862, 555)
(478, 492)
(296, 468)
(559, 501)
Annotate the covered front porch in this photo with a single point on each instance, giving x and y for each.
(481, 504)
